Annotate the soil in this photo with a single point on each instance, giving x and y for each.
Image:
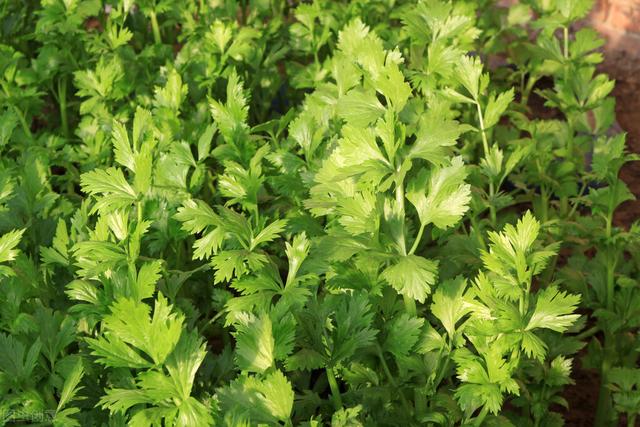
(582, 397)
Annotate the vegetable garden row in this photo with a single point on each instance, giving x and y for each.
(270, 212)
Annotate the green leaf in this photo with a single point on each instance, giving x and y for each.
(8, 243)
(358, 214)
(172, 94)
(296, 252)
(442, 197)
(114, 352)
(606, 200)
(231, 117)
(305, 360)
(360, 108)
(143, 168)
(8, 122)
(403, 334)
(258, 401)
(352, 329)
(586, 40)
(496, 106)
(183, 363)
(204, 142)
(94, 258)
(130, 327)
(16, 362)
(196, 215)
(391, 83)
(359, 145)
(485, 380)
(70, 387)
(347, 417)
(142, 126)
(278, 395)
(412, 276)
(228, 264)
(436, 132)
(450, 304)
(254, 342)
(268, 233)
(209, 244)
(148, 276)
(111, 184)
(608, 156)
(533, 346)
(121, 146)
(512, 256)
(468, 73)
(553, 310)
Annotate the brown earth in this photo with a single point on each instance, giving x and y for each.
(582, 397)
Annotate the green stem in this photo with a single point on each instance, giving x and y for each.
(603, 411)
(420, 402)
(23, 121)
(609, 224)
(414, 247)
(527, 294)
(588, 333)
(477, 232)
(544, 205)
(390, 378)
(179, 252)
(21, 116)
(611, 266)
(139, 211)
(481, 416)
(335, 391)
(154, 26)
(565, 30)
(443, 371)
(410, 305)
(574, 208)
(492, 206)
(485, 146)
(62, 101)
(564, 206)
(385, 367)
(612, 261)
(631, 420)
(551, 268)
(400, 202)
(485, 143)
(564, 200)
(528, 88)
(570, 144)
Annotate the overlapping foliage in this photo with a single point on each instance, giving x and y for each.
(317, 213)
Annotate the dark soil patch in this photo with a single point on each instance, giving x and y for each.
(582, 397)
